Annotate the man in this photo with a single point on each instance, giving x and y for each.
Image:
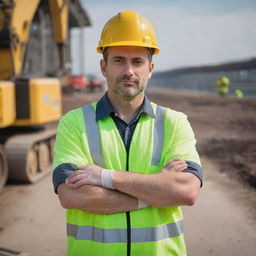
(123, 165)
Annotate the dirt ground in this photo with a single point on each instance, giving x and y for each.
(223, 221)
(225, 128)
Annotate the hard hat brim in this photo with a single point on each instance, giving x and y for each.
(128, 43)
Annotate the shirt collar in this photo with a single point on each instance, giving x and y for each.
(104, 108)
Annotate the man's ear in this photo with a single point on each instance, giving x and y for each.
(151, 68)
(103, 66)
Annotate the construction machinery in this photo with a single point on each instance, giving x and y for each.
(34, 59)
(78, 83)
(95, 83)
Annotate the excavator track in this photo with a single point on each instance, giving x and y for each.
(29, 156)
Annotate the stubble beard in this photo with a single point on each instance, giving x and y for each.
(128, 90)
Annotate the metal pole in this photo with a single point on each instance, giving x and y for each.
(82, 66)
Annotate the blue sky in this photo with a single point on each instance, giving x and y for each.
(189, 32)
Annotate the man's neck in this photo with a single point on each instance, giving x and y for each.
(126, 108)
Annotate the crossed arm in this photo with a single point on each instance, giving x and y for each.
(83, 189)
(95, 199)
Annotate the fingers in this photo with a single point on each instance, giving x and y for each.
(75, 173)
(84, 175)
(84, 167)
(75, 177)
(172, 162)
(80, 170)
(77, 180)
(176, 164)
(179, 167)
(78, 183)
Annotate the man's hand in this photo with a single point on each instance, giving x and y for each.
(85, 175)
(176, 165)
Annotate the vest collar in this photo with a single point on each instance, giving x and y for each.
(104, 108)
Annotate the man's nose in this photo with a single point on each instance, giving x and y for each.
(129, 70)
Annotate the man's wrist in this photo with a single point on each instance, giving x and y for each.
(107, 178)
(107, 182)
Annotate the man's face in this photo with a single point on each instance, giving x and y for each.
(127, 70)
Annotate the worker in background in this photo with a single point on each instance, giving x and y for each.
(222, 85)
(123, 166)
(238, 94)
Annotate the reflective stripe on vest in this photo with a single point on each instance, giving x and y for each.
(158, 136)
(138, 235)
(93, 134)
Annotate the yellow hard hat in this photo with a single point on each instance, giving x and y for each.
(128, 28)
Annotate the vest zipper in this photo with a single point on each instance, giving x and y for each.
(126, 136)
(128, 217)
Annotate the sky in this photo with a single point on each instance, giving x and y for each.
(189, 32)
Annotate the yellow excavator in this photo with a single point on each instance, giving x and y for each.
(34, 59)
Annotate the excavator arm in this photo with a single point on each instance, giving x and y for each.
(16, 19)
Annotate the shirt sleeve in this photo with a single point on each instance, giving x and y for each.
(195, 169)
(71, 147)
(183, 144)
(61, 172)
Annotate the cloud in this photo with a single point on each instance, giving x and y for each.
(187, 35)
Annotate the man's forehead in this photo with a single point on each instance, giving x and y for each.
(127, 51)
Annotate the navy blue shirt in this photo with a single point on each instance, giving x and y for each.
(105, 109)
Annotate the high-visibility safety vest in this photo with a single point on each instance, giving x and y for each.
(150, 231)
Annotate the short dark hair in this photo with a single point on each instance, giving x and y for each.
(149, 53)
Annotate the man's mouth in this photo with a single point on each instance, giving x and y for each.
(128, 81)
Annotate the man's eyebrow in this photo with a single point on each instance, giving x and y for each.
(122, 57)
(118, 57)
(138, 58)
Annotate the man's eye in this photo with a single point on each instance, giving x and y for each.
(138, 61)
(117, 60)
